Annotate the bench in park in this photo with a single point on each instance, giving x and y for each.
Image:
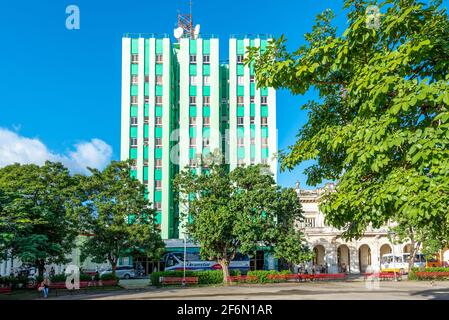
(5, 290)
(178, 280)
(383, 275)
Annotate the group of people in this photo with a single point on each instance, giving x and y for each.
(301, 269)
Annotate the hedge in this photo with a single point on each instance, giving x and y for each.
(262, 275)
(204, 277)
(435, 273)
(109, 276)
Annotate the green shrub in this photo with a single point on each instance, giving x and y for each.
(204, 277)
(262, 275)
(62, 277)
(412, 275)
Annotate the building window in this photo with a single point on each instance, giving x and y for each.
(159, 58)
(192, 142)
(134, 80)
(134, 58)
(192, 163)
(158, 100)
(192, 100)
(157, 205)
(264, 142)
(252, 79)
(252, 140)
(264, 121)
(240, 58)
(134, 121)
(252, 160)
(133, 99)
(264, 160)
(146, 119)
(147, 79)
(240, 80)
(133, 142)
(158, 163)
(206, 80)
(206, 121)
(159, 80)
(158, 184)
(240, 162)
(145, 141)
(240, 121)
(240, 100)
(158, 121)
(146, 99)
(251, 99)
(192, 121)
(193, 80)
(251, 120)
(206, 142)
(206, 100)
(206, 59)
(192, 58)
(264, 100)
(158, 142)
(309, 222)
(240, 142)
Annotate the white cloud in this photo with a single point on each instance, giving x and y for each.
(15, 148)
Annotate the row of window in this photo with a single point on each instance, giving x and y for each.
(206, 121)
(241, 162)
(135, 58)
(206, 58)
(135, 79)
(193, 80)
(157, 142)
(263, 121)
(263, 100)
(157, 121)
(157, 100)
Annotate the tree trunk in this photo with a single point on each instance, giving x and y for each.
(225, 268)
(40, 267)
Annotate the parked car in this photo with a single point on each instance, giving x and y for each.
(123, 272)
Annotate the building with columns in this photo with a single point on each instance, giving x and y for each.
(331, 249)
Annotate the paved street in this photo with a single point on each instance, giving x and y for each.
(355, 290)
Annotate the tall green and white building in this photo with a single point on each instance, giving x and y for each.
(180, 101)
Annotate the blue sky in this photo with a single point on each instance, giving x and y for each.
(60, 88)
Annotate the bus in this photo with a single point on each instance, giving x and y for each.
(399, 262)
(175, 261)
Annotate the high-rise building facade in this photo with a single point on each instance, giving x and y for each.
(180, 103)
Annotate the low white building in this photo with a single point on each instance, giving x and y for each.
(331, 249)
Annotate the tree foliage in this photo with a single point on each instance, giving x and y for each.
(380, 124)
(38, 222)
(239, 212)
(118, 217)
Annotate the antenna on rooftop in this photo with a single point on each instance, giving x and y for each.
(185, 22)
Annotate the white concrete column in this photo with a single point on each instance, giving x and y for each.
(126, 83)
(199, 98)
(257, 123)
(140, 109)
(232, 104)
(215, 100)
(246, 101)
(151, 116)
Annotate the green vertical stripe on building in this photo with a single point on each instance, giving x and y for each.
(146, 130)
(146, 110)
(158, 217)
(241, 152)
(240, 91)
(240, 70)
(206, 91)
(134, 90)
(158, 174)
(240, 47)
(264, 92)
(134, 46)
(264, 132)
(252, 151)
(133, 174)
(192, 132)
(192, 111)
(159, 91)
(192, 46)
(206, 111)
(158, 132)
(133, 111)
(264, 153)
(240, 132)
(158, 195)
(252, 129)
(145, 152)
(252, 89)
(158, 153)
(206, 46)
(145, 173)
(146, 89)
(192, 91)
(159, 69)
(206, 151)
(192, 69)
(240, 111)
(159, 46)
(147, 57)
(133, 153)
(264, 111)
(192, 153)
(206, 69)
(133, 132)
(206, 132)
(134, 69)
(252, 110)
(158, 111)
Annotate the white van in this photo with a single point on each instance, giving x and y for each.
(399, 262)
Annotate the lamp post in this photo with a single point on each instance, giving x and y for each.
(185, 258)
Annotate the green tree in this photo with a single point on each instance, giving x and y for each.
(38, 220)
(118, 217)
(235, 212)
(380, 124)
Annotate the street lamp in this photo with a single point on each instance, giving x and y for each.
(185, 258)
